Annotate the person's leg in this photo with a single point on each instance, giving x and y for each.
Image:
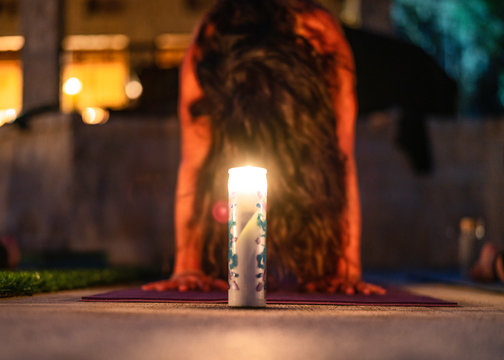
(490, 264)
(499, 266)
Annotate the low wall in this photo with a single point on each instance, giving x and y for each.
(124, 183)
(35, 182)
(412, 221)
(68, 186)
(65, 186)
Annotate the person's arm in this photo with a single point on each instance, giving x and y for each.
(345, 103)
(326, 35)
(348, 277)
(195, 143)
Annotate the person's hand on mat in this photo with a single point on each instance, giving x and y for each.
(347, 278)
(334, 284)
(187, 281)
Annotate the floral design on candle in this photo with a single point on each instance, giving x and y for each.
(247, 236)
(232, 256)
(261, 241)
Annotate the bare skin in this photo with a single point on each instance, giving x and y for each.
(489, 265)
(326, 36)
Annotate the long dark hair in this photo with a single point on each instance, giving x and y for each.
(267, 94)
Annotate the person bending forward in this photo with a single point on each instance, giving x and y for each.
(270, 83)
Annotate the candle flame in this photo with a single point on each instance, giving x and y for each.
(247, 179)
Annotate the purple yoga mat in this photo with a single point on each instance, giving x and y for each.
(394, 297)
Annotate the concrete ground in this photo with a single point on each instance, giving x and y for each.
(60, 326)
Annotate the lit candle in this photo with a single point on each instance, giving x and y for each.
(247, 188)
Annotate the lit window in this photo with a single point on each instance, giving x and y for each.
(11, 78)
(95, 72)
(170, 49)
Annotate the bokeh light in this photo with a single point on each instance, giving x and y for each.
(94, 115)
(7, 116)
(72, 86)
(133, 89)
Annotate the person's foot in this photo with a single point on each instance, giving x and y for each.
(499, 267)
(489, 266)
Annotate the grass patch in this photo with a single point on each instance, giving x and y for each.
(18, 283)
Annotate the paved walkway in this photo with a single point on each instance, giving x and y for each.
(59, 326)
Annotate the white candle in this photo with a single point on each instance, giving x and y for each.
(247, 188)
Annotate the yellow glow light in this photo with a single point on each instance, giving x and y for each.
(96, 42)
(170, 49)
(133, 89)
(103, 76)
(7, 116)
(72, 86)
(11, 43)
(11, 86)
(94, 116)
(173, 41)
